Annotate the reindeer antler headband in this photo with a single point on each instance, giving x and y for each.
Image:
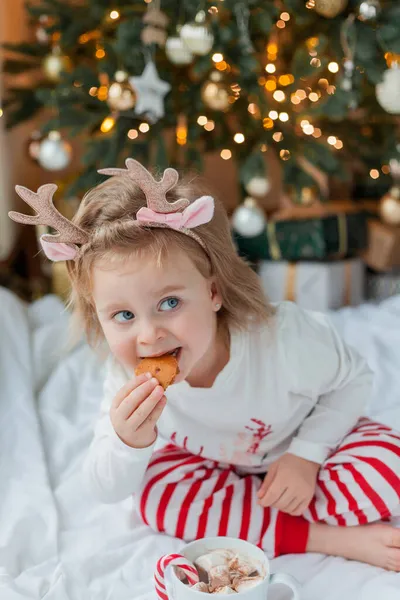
(180, 215)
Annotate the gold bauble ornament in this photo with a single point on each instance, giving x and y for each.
(121, 95)
(304, 196)
(330, 8)
(308, 195)
(54, 64)
(214, 92)
(390, 206)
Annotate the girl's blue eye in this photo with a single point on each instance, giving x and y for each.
(169, 304)
(124, 316)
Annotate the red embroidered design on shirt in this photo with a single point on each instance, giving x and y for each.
(184, 445)
(259, 433)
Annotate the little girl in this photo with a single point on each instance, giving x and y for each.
(262, 428)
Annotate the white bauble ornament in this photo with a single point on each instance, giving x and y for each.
(390, 206)
(177, 51)
(388, 90)
(369, 10)
(258, 187)
(54, 152)
(197, 35)
(248, 219)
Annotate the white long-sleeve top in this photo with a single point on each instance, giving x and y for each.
(289, 386)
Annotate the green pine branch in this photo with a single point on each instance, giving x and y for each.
(79, 112)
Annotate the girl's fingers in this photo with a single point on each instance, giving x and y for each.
(268, 480)
(299, 509)
(154, 415)
(285, 499)
(139, 416)
(273, 495)
(293, 505)
(136, 398)
(128, 388)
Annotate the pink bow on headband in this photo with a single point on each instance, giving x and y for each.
(199, 212)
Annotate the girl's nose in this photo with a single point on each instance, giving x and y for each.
(149, 334)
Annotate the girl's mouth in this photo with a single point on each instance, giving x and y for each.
(176, 352)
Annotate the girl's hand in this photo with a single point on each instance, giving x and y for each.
(289, 485)
(136, 409)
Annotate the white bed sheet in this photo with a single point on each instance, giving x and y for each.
(57, 543)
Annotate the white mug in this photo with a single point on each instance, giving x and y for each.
(177, 590)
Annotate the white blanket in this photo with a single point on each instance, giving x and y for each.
(57, 543)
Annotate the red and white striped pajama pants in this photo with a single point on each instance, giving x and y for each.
(191, 497)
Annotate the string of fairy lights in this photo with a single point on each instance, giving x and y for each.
(273, 84)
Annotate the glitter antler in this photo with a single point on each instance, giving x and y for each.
(155, 191)
(47, 214)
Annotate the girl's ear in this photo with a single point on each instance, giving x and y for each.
(214, 294)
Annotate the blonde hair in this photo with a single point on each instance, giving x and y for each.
(107, 213)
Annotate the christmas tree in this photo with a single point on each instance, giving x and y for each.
(165, 82)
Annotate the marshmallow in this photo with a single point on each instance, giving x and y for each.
(200, 587)
(241, 565)
(219, 577)
(215, 558)
(247, 583)
(224, 590)
(235, 578)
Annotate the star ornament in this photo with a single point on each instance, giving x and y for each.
(150, 90)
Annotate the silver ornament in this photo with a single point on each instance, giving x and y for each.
(248, 219)
(258, 186)
(197, 35)
(177, 51)
(388, 90)
(150, 90)
(54, 152)
(369, 10)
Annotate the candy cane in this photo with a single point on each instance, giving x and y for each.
(178, 561)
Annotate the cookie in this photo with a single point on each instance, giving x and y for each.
(164, 368)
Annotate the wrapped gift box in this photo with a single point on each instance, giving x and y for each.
(314, 285)
(379, 286)
(342, 234)
(383, 252)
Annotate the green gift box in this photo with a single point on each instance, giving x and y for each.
(333, 236)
